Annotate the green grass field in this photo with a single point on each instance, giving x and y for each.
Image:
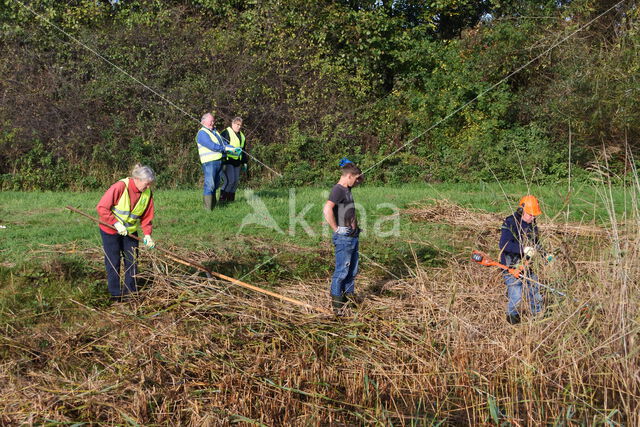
(35, 219)
(409, 355)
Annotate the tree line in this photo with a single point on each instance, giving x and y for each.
(439, 91)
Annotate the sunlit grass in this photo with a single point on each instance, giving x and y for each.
(37, 218)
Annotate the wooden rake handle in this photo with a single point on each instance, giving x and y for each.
(210, 273)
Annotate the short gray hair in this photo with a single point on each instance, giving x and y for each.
(204, 116)
(237, 119)
(143, 173)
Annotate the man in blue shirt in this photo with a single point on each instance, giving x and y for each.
(211, 149)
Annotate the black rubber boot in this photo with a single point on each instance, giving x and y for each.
(121, 298)
(224, 197)
(208, 202)
(513, 319)
(338, 304)
(232, 197)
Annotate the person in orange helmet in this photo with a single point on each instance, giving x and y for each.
(519, 243)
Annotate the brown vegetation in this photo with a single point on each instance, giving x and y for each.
(430, 347)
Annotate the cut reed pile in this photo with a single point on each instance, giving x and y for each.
(427, 348)
(444, 211)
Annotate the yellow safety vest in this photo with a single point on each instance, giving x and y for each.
(122, 210)
(207, 155)
(235, 141)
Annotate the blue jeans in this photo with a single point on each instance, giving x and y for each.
(116, 246)
(211, 176)
(515, 290)
(343, 280)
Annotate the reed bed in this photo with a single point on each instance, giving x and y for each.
(431, 347)
(447, 212)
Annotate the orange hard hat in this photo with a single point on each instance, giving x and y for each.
(530, 205)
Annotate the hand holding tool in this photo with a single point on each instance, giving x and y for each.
(120, 228)
(149, 242)
(210, 273)
(483, 259)
(236, 151)
(529, 252)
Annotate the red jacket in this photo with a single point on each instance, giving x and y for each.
(110, 199)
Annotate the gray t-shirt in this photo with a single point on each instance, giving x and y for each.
(344, 210)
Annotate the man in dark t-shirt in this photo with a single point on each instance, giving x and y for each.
(340, 213)
(344, 210)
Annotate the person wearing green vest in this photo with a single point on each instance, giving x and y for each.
(233, 163)
(212, 148)
(128, 206)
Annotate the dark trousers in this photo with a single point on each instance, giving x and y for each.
(231, 175)
(116, 246)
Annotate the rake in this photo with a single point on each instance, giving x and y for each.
(209, 272)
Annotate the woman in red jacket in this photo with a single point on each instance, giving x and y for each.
(128, 205)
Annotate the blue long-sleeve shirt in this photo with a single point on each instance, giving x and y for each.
(515, 233)
(205, 140)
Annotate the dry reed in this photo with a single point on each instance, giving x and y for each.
(429, 347)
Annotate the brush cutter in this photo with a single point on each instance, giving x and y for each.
(483, 259)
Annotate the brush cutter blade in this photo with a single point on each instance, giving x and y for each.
(477, 257)
(483, 259)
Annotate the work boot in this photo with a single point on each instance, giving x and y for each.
(513, 319)
(351, 300)
(224, 197)
(209, 202)
(338, 304)
(121, 298)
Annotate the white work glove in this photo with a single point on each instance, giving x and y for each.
(148, 241)
(529, 252)
(343, 231)
(122, 230)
